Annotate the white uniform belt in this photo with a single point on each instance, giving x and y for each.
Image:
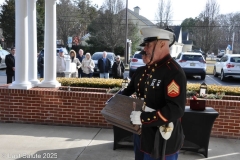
(147, 109)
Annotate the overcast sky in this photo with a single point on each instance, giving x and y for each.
(181, 8)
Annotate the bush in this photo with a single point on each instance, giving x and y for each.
(214, 89)
(115, 83)
(90, 82)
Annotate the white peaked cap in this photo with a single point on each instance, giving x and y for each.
(151, 34)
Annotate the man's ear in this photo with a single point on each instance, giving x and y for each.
(162, 44)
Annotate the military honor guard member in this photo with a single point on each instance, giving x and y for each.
(164, 98)
(137, 85)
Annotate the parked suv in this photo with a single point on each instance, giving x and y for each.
(136, 62)
(227, 66)
(192, 63)
(97, 55)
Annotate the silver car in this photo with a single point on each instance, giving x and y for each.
(97, 55)
(192, 63)
(227, 66)
(3, 54)
(136, 62)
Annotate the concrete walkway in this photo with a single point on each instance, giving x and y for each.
(77, 143)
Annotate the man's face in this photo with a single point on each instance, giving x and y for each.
(104, 54)
(61, 54)
(146, 58)
(80, 52)
(13, 51)
(149, 48)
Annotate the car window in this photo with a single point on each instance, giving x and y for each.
(138, 56)
(235, 59)
(179, 55)
(192, 57)
(224, 59)
(98, 56)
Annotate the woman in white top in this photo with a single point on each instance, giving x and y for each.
(88, 66)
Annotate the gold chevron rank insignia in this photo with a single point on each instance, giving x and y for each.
(173, 89)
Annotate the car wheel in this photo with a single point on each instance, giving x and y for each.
(215, 72)
(203, 77)
(222, 77)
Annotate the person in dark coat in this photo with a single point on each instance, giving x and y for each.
(164, 99)
(10, 63)
(80, 56)
(104, 66)
(118, 68)
(40, 65)
(137, 85)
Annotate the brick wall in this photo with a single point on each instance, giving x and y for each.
(227, 124)
(52, 106)
(83, 107)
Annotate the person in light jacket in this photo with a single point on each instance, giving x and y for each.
(61, 64)
(75, 60)
(88, 66)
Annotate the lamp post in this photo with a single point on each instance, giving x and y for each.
(125, 82)
(69, 43)
(203, 89)
(126, 33)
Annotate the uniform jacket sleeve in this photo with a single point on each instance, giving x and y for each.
(131, 86)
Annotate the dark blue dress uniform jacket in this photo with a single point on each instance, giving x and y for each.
(165, 91)
(137, 85)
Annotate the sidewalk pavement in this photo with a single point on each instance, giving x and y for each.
(78, 143)
(3, 80)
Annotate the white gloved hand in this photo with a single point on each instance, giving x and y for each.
(135, 117)
(147, 109)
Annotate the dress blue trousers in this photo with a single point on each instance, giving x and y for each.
(168, 157)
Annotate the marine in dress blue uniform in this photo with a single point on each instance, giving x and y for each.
(137, 85)
(164, 97)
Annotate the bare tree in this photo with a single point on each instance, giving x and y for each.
(229, 25)
(206, 33)
(108, 29)
(74, 17)
(164, 13)
(65, 20)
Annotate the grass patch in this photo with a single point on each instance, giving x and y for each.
(209, 69)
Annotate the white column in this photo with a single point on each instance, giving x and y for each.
(32, 43)
(50, 46)
(21, 54)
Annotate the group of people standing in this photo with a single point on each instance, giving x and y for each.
(84, 64)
